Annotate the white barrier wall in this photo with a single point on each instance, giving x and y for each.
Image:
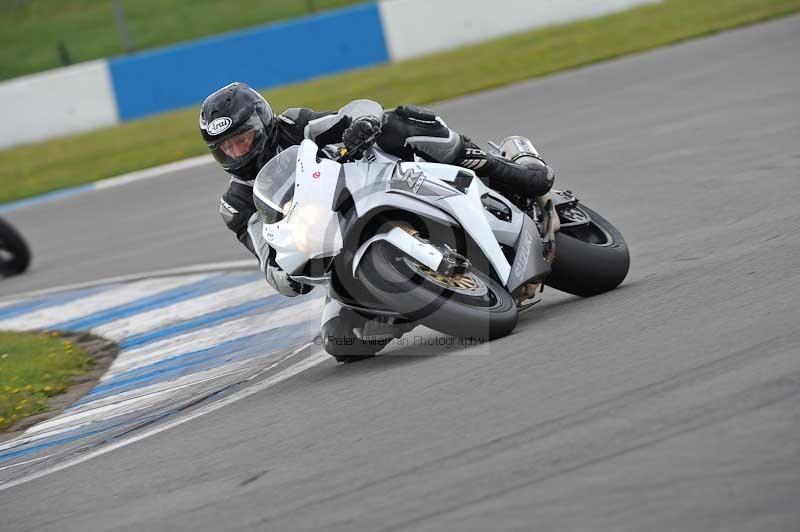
(418, 27)
(56, 103)
(101, 93)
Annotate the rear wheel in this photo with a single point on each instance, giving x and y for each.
(590, 259)
(14, 253)
(467, 305)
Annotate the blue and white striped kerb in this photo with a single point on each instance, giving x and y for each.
(182, 338)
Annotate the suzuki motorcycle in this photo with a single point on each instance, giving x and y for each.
(14, 253)
(401, 244)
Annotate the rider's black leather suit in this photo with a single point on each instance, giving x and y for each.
(407, 131)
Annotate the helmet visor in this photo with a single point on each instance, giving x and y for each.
(239, 148)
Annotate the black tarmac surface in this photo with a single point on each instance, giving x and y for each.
(672, 403)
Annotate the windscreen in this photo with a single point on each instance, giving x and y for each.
(275, 182)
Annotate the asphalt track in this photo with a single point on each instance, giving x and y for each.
(669, 404)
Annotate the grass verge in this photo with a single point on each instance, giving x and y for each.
(33, 369)
(33, 29)
(35, 169)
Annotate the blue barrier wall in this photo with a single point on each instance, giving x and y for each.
(277, 54)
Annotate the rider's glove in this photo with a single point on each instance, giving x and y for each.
(283, 284)
(300, 288)
(361, 133)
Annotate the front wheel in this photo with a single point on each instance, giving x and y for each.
(468, 305)
(590, 259)
(14, 253)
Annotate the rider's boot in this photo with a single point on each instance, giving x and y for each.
(339, 334)
(513, 168)
(516, 169)
(350, 336)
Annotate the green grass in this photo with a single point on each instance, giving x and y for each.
(32, 29)
(35, 169)
(33, 368)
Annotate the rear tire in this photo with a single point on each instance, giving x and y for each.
(15, 257)
(589, 260)
(385, 272)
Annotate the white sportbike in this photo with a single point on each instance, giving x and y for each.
(400, 244)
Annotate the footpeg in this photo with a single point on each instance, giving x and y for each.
(527, 296)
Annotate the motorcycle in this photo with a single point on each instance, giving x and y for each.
(401, 244)
(15, 256)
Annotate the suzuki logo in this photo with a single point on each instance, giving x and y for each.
(523, 255)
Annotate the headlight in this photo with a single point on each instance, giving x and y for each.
(306, 223)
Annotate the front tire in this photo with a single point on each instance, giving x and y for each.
(479, 307)
(590, 259)
(15, 257)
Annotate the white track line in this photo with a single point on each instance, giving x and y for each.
(79, 308)
(7, 302)
(18, 464)
(138, 399)
(128, 402)
(247, 264)
(150, 173)
(279, 377)
(125, 179)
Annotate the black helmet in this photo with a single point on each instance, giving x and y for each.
(238, 126)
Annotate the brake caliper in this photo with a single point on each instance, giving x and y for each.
(453, 263)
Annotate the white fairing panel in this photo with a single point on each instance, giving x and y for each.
(505, 232)
(445, 172)
(302, 188)
(309, 229)
(469, 211)
(423, 252)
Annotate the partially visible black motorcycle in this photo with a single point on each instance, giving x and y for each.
(15, 256)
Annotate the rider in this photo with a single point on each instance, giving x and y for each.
(243, 134)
